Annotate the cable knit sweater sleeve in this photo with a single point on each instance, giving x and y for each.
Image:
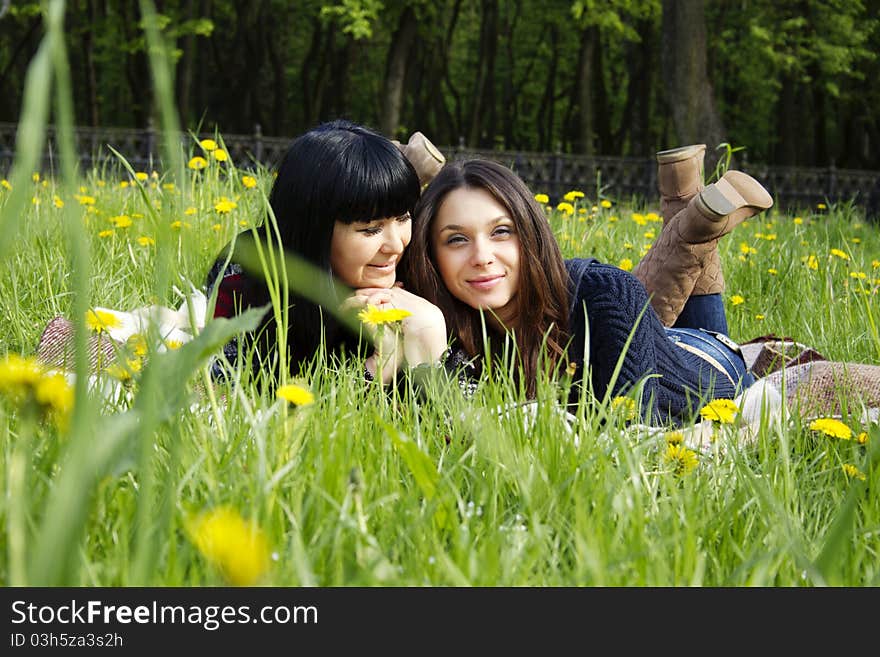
(614, 300)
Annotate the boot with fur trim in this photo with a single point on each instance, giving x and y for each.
(423, 155)
(671, 268)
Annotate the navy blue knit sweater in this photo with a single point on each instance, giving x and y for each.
(614, 300)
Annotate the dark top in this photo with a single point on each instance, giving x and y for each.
(614, 300)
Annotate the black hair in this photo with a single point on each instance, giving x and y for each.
(337, 171)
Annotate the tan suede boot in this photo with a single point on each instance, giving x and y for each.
(423, 155)
(671, 268)
(679, 179)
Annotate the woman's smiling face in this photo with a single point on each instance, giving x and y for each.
(477, 251)
(365, 254)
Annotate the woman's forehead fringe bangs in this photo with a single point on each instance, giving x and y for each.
(377, 189)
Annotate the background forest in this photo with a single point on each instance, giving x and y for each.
(790, 81)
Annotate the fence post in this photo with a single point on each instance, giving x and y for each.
(150, 142)
(557, 170)
(258, 143)
(832, 182)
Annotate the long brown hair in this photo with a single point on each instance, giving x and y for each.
(543, 294)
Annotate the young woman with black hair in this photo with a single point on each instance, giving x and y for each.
(342, 201)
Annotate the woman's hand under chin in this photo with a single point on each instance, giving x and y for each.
(422, 336)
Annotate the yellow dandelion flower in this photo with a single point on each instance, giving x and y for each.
(649, 235)
(573, 195)
(625, 264)
(58, 202)
(225, 206)
(197, 163)
(543, 199)
(831, 427)
(653, 217)
(821, 206)
(853, 472)
(249, 182)
(125, 370)
(571, 369)
(862, 438)
(594, 208)
(84, 200)
(628, 246)
(102, 320)
(626, 406)
(220, 155)
(613, 218)
(682, 459)
(720, 410)
(859, 275)
(770, 237)
(105, 233)
(674, 437)
(797, 221)
(373, 316)
(582, 211)
(35, 177)
(144, 240)
(772, 271)
(639, 218)
(190, 211)
(243, 223)
(605, 203)
(295, 394)
(216, 227)
(54, 392)
(5, 184)
(759, 317)
(172, 344)
(736, 300)
(18, 375)
(238, 548)
(121, 221)
(208, 144)
(123, 184)
(843, 255)
(138, 344)
(168, 187)
(567, 208)
(141, 176)
(812, 262)
(856, 240)
(176, 225)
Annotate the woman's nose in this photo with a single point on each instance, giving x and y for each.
(395, 238)
(482, 253)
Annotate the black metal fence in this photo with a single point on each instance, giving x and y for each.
(793, 188)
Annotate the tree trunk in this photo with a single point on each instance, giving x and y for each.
(395, 71)
(483, 94)
(584, 138)
(688, 91)
(786, 124)
(548, 99)
(632, 135)
(185, 69)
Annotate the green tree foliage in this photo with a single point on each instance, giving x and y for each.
(792, 81)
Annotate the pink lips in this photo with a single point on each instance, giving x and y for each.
(388, 266)
(485, 282)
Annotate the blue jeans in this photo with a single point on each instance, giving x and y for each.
(704, 311)
(701, 319)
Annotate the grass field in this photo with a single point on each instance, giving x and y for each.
(361, 487)
(178, 482)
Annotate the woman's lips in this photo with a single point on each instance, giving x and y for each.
(387, 267)
(485, 282)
